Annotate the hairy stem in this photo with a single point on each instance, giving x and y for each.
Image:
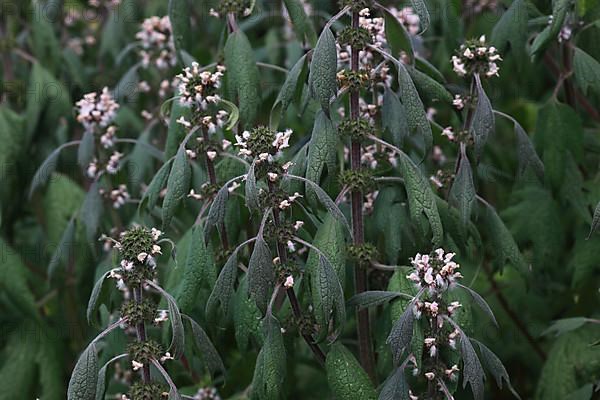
(141, 333)
(365, 348)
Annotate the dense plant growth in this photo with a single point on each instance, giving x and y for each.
(299, 199)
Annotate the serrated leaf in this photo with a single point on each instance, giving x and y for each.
(242, 75)
(91, 212)
(428, 88)
(393, 117)
(216, 212)
(177, 185)
(347, 380)
(327, 298)
(397, 36)
(421, 9)
(152, 193)
(246, 316)
(64, 249)
(512, 28)
(101, 386)
(301, 23)
(223, 289)
(322, 79)
(251, 190)
(93, 305)
(395, 386)
(206, 350)
(330, 239)
(261, 274)
(462, 193)
(269, 372)
(291, 89)
(84, 379)
(421, 198)
(482, 124)
(472, 370)
(526, 154)
(415, 111)
(481, 303)
(178, 339)
(199, 271)
(587, 71)
(401, 334)
(372, 298)
(179, 15)
(322, 151)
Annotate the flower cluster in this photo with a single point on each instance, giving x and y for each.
(236, 7)
(207, 393)
(198, 88)
(96, 111)
(262, 143)
(435, 272)
(156, 39)
(476, 57)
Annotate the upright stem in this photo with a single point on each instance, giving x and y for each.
(567, 55)
(296, 310)
(141, 333)
(212, 176)
(365, 349)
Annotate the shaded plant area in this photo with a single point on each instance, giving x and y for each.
(299, 199)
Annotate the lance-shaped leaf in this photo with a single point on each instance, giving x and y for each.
(173, 392)
(85, 151)
(177, 185)
(206, 350)
(482, 124)
(330, 239)
(176, 132)
(415, 111)
(101, 386)
(421, 9)
(47, 168)
(199, 271)
(595, 220)
(346, 378)
(429, 89)
(93, 305)
(252, 190)
(290, 90)
(322, 79)
(527, 156)
(178, 339)
(549, 34)
(216, 212)
(327, 297)
(91, 212)
(179, 15)
(395, 386)
(301, 23)
(512, 28)
(64, 249)
(84, 379)
(156, 185)
(462, 193)
(421, 199)
(223, 289)
(472, 370)
(397, 36)
(393, 118)
(321, 151)
(494, 366)
(270, 369)
(373, 298)
(242, 75)
(246, 316)
(402, 332)
(481, 303)
(261, 274)
(587, 71)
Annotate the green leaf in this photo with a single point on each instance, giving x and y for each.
(176, 131)
(269, 372)
(177, 185)
(199, 271)
(322, 79)
(178, 340)
(251, 190)
(462, 193)
(179, 15)
(13, 282)
(481, 303)
(482, 124)
(512, 28)
(242, 75)
(301, 23)
(428, 88)
(421, 199)
(93, 305)
(393, 118)
(83, 382)
(421, 9)
(261, 274)
(206, 350)
(246, 316)
(327, 298)
(91, 212)
(565, 325)
(18, 371)
(415, 111)
(587, 71)
(64, 248)
(346, 378)
(472, 370)
(152, 193)
(550, 33)
(526, 154)
(216, 212)
(395, 386)
(290, 90)
(85, 152)
(45, 44)
(584, 393)
(595, 220)
(373, 298)
(401, 335)
(322, 151)
(224, 286)
(397, 36)
(330, 239)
